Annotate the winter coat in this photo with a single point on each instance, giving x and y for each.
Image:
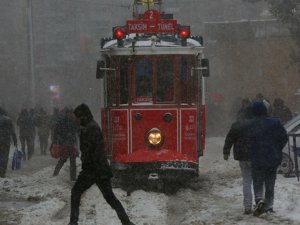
(281, 111)
(266, 137)
(245, 111)
(54, 119)
(239, 143)
(7, 131)
(43, 124)
(26, 125)
(93, 156)
(65, 131)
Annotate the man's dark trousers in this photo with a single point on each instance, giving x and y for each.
(84, 181)
(4, 153)
(264, 177)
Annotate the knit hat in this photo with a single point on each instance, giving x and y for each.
(259, 108)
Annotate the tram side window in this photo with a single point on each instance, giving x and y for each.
(165, 80)
(193, 88)
(143, 78)
(184, 80)
(124, 82)
(112, 88)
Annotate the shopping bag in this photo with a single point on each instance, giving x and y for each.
(68, 151)
(17, 159)
(56, 151)
(75, 151)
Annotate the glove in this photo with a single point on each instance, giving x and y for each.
(225, 157)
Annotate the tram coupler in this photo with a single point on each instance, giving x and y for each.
(153, 176)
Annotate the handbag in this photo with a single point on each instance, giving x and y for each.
(70, 151)
(56, 151)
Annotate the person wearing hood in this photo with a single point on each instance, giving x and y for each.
(266, 138)
(95, 167)
(7, 132)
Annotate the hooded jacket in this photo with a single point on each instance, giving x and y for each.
(266, 137)
(93, 156)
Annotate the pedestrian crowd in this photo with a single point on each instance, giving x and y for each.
(258, 137)
(67, 129)
(38, 126)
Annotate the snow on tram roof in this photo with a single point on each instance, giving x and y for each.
(150, 42)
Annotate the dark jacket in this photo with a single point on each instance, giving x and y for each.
(93, 156)
(26, 124)
(65, 131)
(266, 137)
(281, 111)
(43, 123)
(7, 131)
(235, 139)
(245, 111)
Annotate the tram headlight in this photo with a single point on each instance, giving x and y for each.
(154, 137)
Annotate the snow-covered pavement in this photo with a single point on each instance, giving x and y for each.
(32, 197)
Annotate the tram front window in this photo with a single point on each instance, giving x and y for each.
(165, 81)
(143, 78)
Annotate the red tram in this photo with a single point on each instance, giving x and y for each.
(153, 119)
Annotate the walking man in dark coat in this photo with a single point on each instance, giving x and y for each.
(26, 133)
(266, 137)
(43, 125)
(241, 153)
(7, 132)
(95, 167)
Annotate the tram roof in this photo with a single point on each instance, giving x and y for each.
(152, 45)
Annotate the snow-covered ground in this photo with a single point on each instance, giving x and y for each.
(31, 196)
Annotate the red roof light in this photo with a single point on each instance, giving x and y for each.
(119, 32)
(184, 32)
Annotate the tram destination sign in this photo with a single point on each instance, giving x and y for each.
(151, 26)
(151, 23)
